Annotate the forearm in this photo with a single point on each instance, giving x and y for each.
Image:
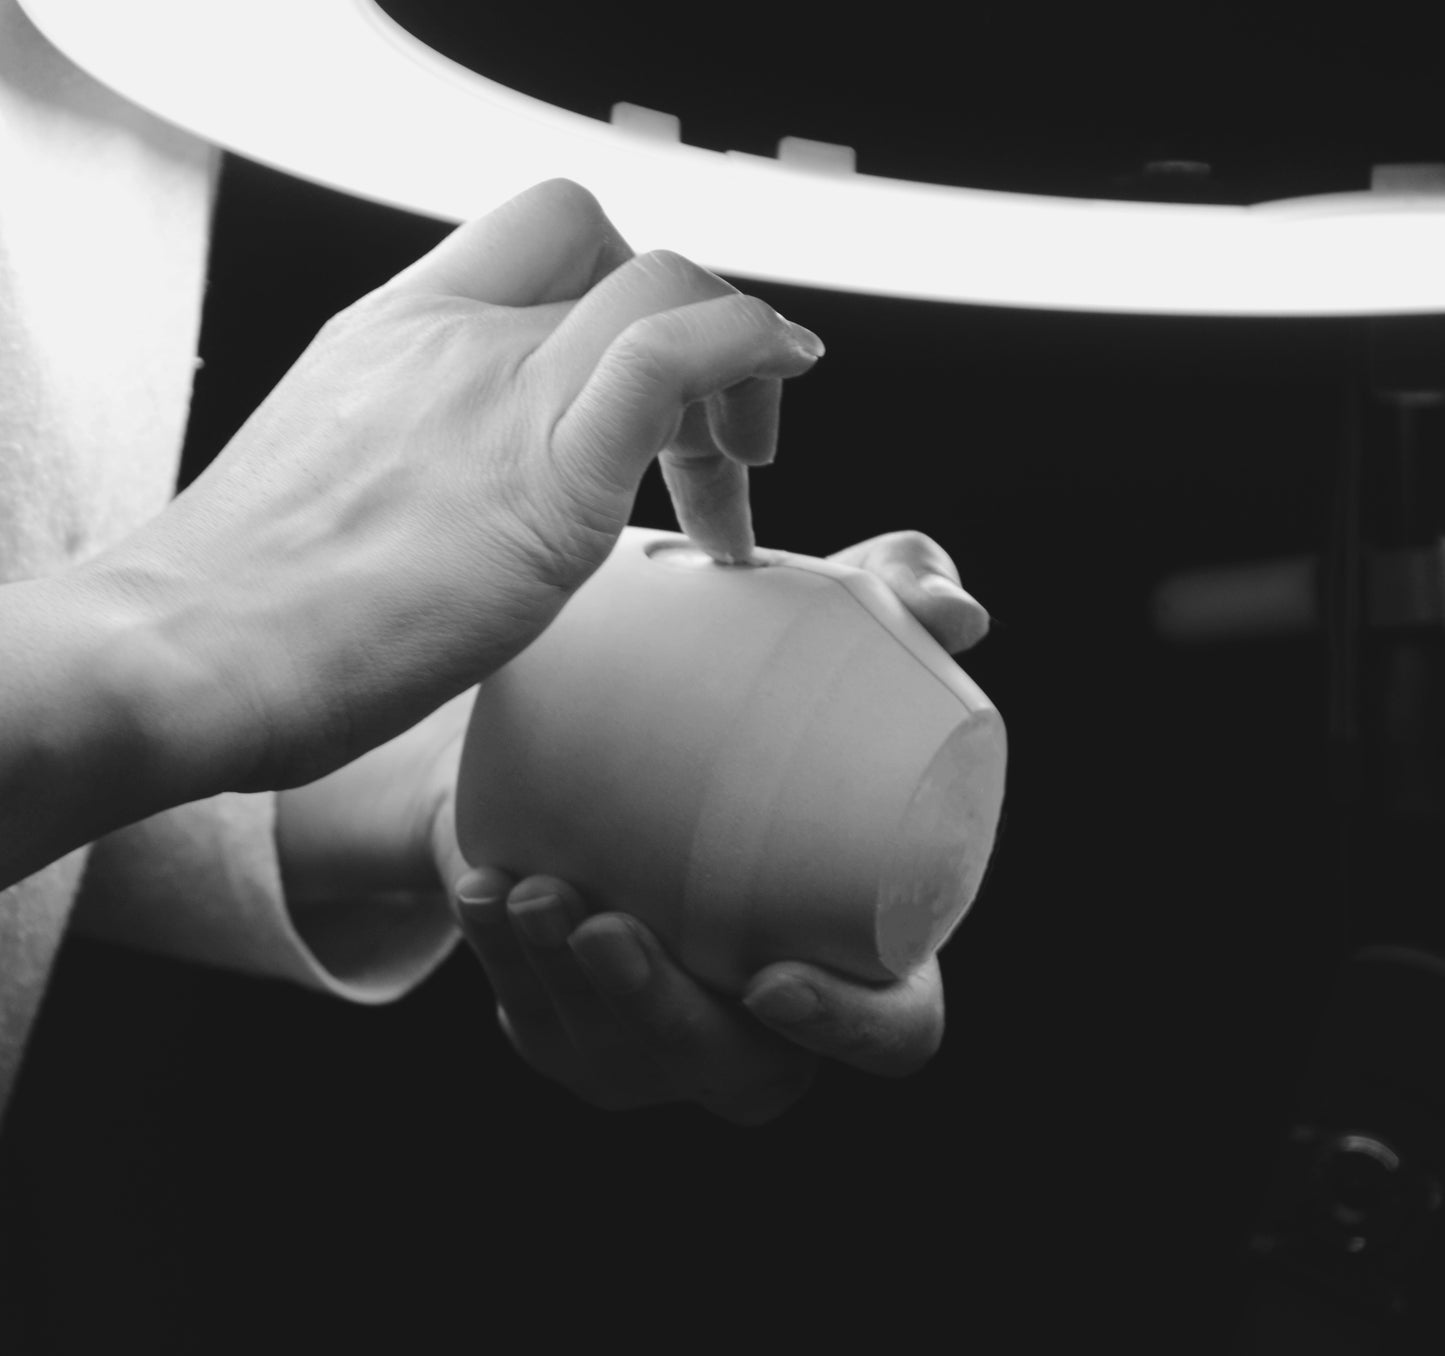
(102, 719)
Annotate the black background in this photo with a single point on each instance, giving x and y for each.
(223, 1164)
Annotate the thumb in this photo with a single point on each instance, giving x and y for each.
(551, 243)
(892, 1030)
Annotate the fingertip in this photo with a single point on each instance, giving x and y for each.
(783, 997)
(808, 343)
(943, 586)
(544, 887)
(828, 993)
(956, 618)
(731, 555)
(611, 948)
(628, 929)
(977, 628)
(481, 885)
(710, 497)
(479, 902)
(782, 972)
(619, 918)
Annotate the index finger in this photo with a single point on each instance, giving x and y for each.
(641, 389)
(709, 489)
(706, 467)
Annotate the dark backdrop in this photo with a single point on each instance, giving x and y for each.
(225, 1164)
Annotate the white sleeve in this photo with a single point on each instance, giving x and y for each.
(202, 883)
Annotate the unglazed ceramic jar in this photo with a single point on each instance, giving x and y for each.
(765, 762)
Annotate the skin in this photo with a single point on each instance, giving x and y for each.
(450, 459)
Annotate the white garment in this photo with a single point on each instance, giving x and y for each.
(104, 215)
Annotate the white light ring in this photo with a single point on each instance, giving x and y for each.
(336, 92)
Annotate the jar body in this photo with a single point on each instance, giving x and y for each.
(761, 763)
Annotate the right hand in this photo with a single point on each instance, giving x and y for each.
(445, 465)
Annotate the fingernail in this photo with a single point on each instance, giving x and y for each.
(477, 887)
(543, 920)
(806, 340)
(479, 908)
(478, 901)
(613, 957)
(785, 1002)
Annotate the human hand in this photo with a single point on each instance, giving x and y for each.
(597, 1005)
(449, 460)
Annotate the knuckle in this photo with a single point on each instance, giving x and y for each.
(912, 548)
(694, 282)
(567, 195)
(393, 332)
(910, 539)
(668, 263)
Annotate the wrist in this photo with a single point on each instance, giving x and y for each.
(170, 719)
(97, 721)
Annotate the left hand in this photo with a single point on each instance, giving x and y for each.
(596, 1004)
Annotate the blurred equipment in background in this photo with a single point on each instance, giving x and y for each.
(1347, 1256)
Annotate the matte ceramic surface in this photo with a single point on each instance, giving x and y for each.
(762, 763)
